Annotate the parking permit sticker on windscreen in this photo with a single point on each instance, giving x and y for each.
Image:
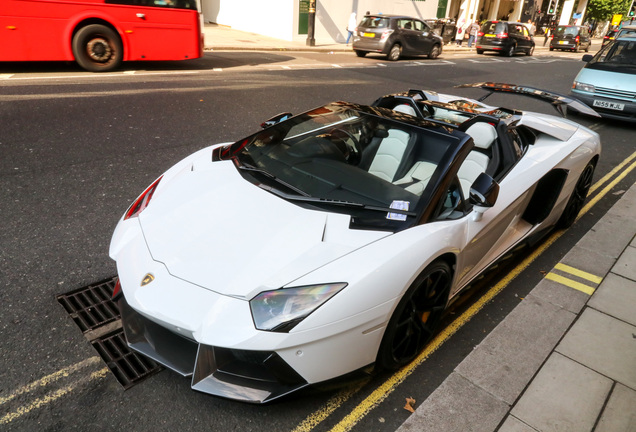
(398, 205)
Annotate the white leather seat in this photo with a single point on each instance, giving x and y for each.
(389, 155)
(405, 108)
(417, 177)
(484, 135)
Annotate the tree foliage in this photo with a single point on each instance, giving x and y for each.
(602, 10)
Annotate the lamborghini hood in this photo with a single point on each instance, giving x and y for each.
(216, 230)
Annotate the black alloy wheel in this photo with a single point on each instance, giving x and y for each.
(97, 48)
(577, 199)
(416, 317)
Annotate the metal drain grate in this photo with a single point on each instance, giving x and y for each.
(128, 367)
(98, 318)
(91, 306)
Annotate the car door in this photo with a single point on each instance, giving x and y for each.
(424, 37)
(406, 35)
(500, 227)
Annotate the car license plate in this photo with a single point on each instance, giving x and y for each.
(562, 42)
(610, 105)
(368, 35)
(490, 35)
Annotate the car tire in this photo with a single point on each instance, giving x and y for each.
(576, 48)
(479, 51)
(416, 317)
(97, 48)
(587, 48)
(435, 51)
(361, 53)
(510, 51)
(530, 51)
(551, 49)
(577, 199)
(394, 52)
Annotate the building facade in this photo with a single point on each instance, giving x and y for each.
(287, 19)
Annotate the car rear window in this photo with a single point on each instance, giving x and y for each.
(494, 27)
(374, 22)
(563, 31)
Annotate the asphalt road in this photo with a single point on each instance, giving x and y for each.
(77, 148)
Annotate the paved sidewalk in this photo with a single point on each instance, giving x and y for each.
(223, 38)
(565, 358)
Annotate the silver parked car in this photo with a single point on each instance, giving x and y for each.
(396, 36)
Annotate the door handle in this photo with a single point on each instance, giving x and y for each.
(141, 15)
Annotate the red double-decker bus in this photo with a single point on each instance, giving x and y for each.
(100, 34)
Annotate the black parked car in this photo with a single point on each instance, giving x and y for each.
(570, 37)
(396, 36)
(506, 38)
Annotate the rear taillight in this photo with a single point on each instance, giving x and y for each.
(142, 202)
(385, 34)
(605, 37)
(502, 35)
(481, 33)
(116, 290)
(577, 39)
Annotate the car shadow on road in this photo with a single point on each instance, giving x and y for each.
(209, 61)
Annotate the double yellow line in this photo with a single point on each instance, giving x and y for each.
(385, 389)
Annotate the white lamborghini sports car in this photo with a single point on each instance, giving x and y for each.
(335, 239)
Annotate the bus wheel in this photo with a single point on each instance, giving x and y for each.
(97, 48)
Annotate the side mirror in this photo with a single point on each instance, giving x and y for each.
(276, 119)
(587, 57)
(483, 194)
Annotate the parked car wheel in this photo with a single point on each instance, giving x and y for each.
(480, 51)
(510, 51)
(530, 51)
(416, 317)
(361, 53)
(551, 49)
(395, 52)
(434, 52)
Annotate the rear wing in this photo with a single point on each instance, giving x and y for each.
(560, 102)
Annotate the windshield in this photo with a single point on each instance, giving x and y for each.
(619, 55)
(346, 157)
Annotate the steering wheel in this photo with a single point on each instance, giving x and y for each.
(355, 152)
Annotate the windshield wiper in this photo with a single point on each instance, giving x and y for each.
(247, 167)
(309, 199)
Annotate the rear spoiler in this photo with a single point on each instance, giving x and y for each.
(560, 102)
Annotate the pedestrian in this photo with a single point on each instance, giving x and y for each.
(351, 26)
(472, 33)
(531, 27)
(548, 31)
(459, 35)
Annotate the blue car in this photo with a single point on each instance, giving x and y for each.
(608, 81)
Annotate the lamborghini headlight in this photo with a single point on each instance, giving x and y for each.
(282, 309)
(583, 87)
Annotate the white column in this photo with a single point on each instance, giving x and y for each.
(566, 12)
(581, 9)
(494, 9)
